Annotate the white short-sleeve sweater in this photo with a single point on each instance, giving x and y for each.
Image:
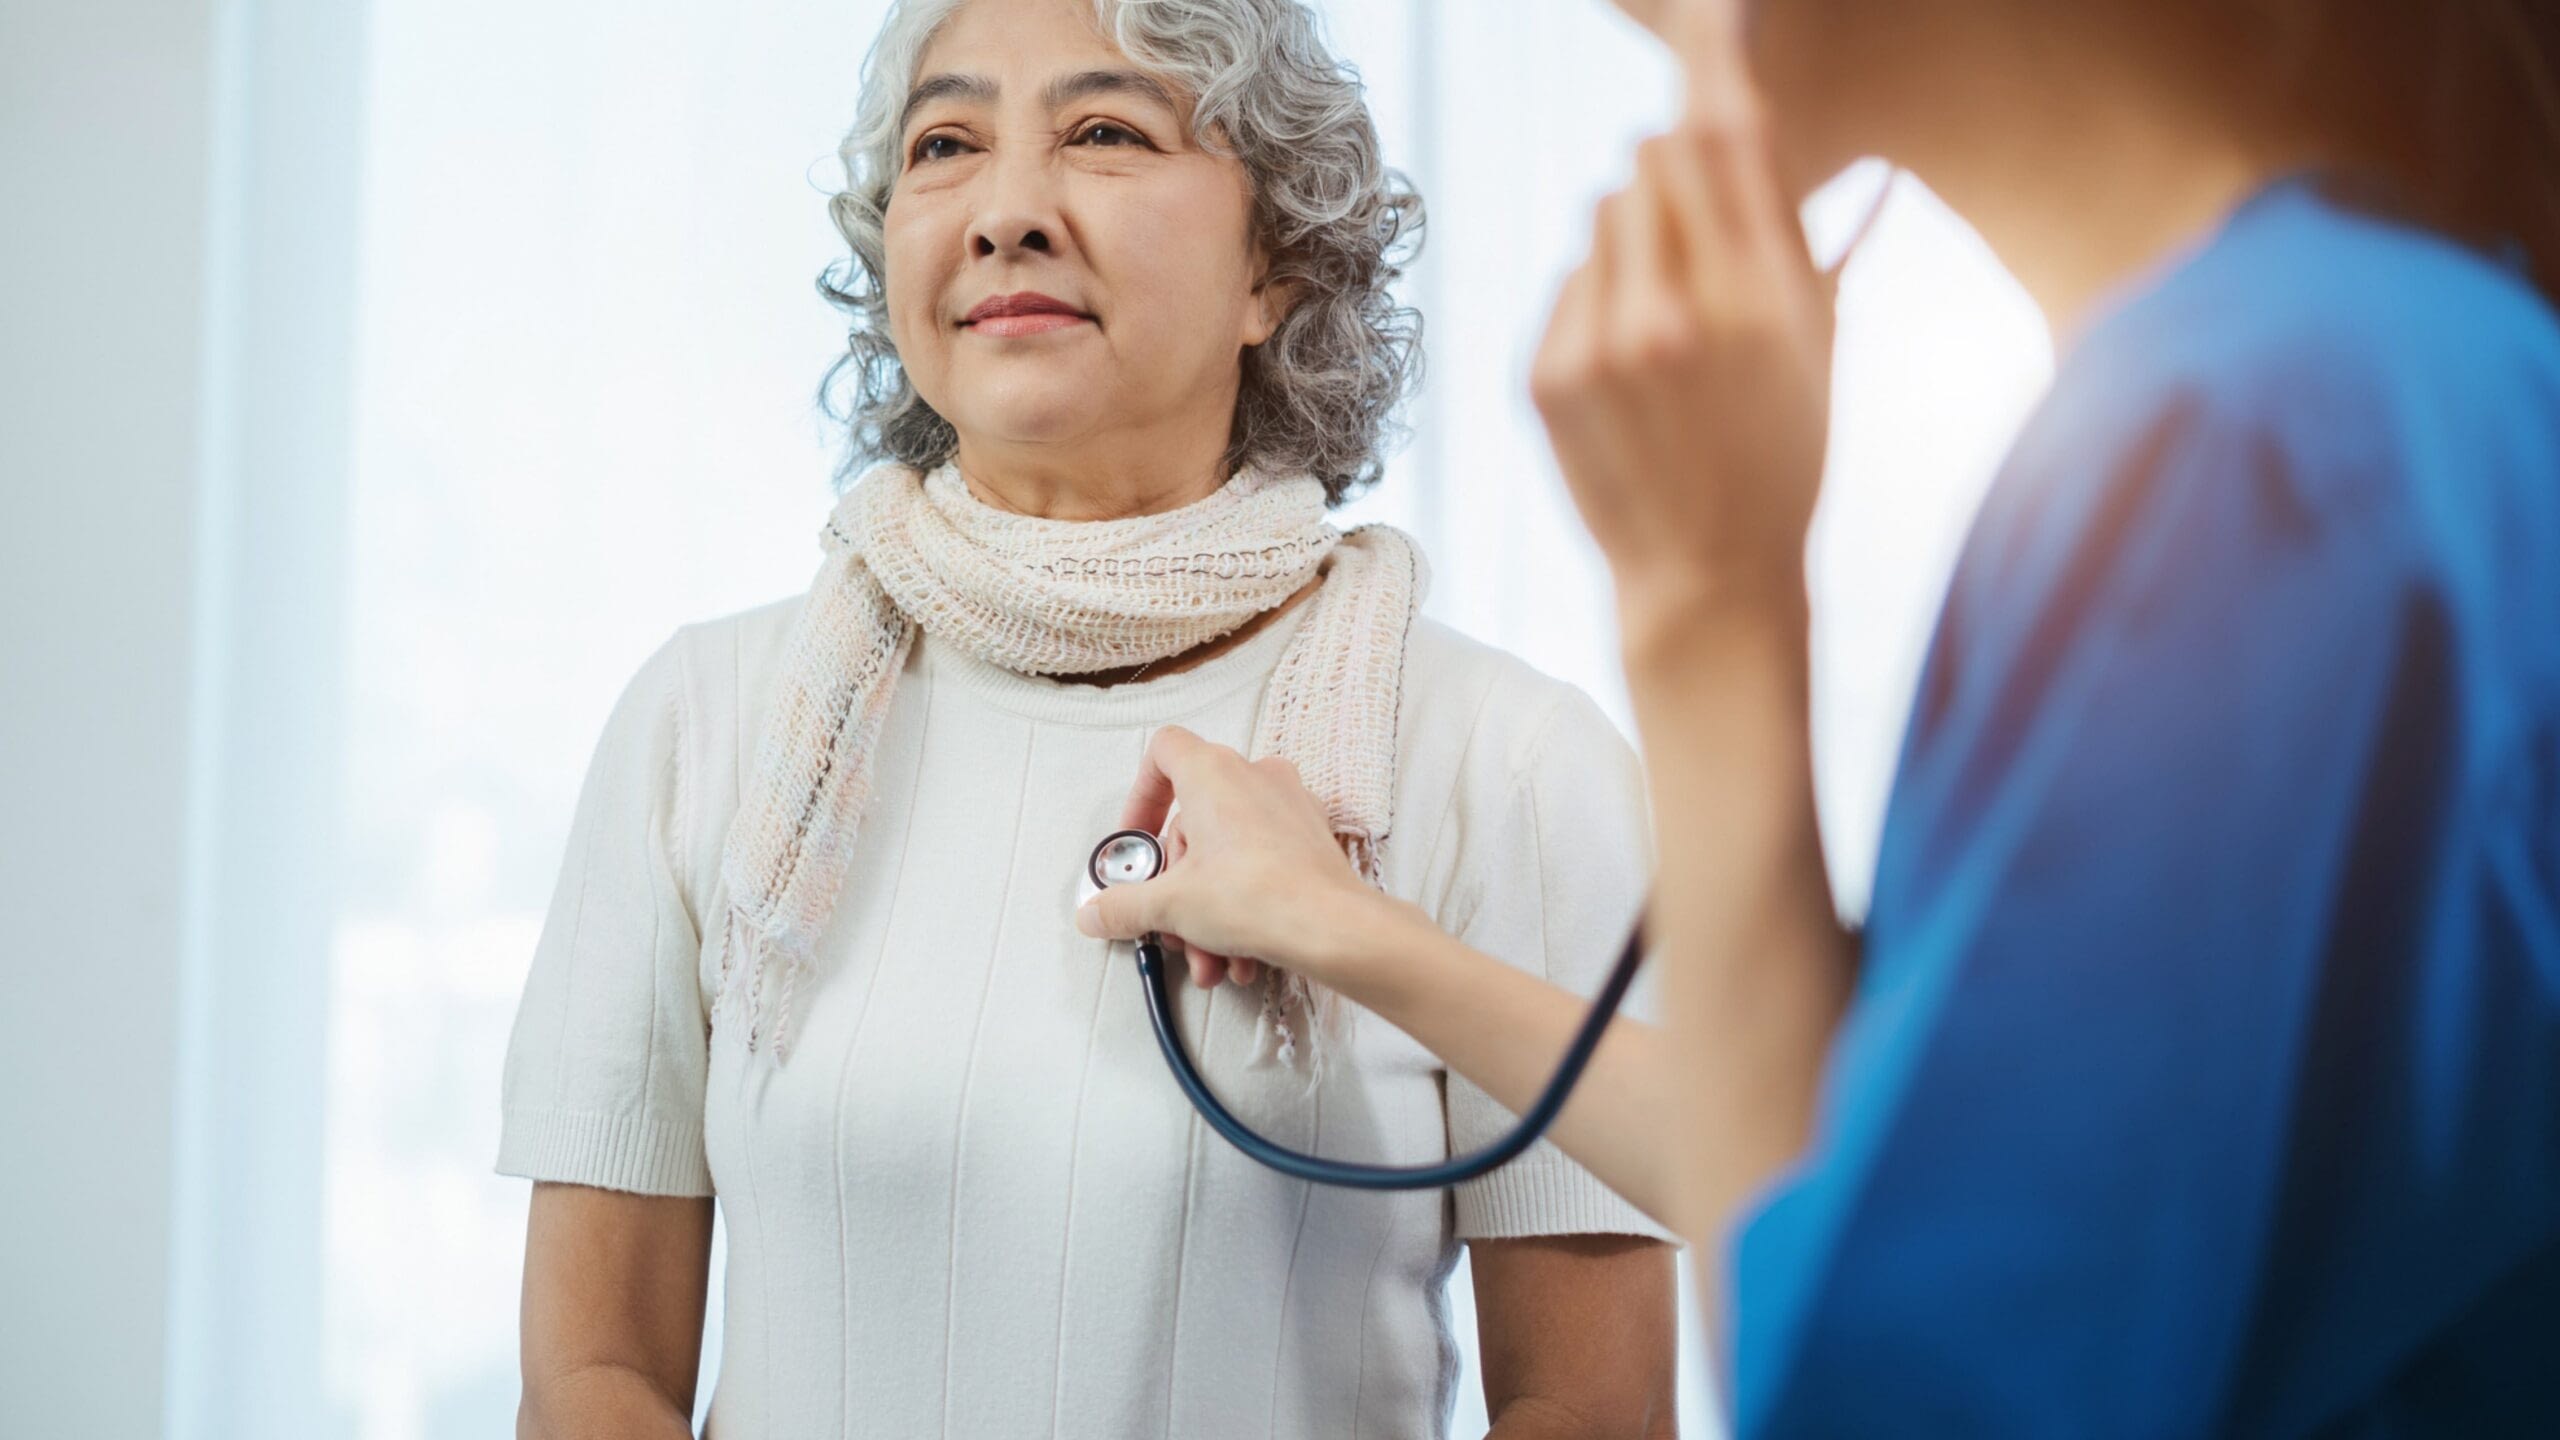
(972, 1203)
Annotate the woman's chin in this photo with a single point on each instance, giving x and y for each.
(1044, 419)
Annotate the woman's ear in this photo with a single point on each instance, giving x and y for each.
(1273, 300)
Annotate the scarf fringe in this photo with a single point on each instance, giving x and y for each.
(764, 1004)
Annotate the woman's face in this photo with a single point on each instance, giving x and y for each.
(1039, 164)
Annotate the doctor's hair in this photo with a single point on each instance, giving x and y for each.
(1322, 396)
(2446, 111)
(2457, 104)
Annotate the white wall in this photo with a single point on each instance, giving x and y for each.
(102, 116)
(181, 179)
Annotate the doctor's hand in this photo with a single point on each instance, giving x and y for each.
(1654, 15)
(1253, 868)
(1685, 376)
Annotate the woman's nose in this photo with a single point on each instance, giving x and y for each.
(1017, 210)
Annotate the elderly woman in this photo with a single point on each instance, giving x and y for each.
(1121, 337)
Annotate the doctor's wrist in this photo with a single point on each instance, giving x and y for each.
(1672, 619)
(1359, 947)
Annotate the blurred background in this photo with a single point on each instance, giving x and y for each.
(380, 380)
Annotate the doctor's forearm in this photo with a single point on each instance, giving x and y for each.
(1756, 968)
(1505, 1029)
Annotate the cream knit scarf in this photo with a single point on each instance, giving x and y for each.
(908, 551)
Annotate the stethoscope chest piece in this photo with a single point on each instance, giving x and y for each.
(1125, 857)
(1128, 857)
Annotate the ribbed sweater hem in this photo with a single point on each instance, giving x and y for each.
(610, 1152)
(1545, 1195)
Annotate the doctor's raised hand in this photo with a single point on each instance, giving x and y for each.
(1685, 384)
(1685, 375)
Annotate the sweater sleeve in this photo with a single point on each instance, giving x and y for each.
(1552, 890)
(606, 1065)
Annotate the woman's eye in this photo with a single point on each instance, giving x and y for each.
(925, 147)
(1126, 135)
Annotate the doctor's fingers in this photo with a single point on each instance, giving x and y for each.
(1653, 15)
(1712, 43)
(1564, 377)
(1738, 243)
(1181, 768)
(1153, 792)
(1208, 967)
(1673, 21)
(1166, 907)
(1125, 912)
(1595, 365)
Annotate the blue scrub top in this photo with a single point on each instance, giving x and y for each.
(2203, 1076)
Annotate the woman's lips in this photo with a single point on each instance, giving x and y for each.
(1037, 323)
(1025, 312)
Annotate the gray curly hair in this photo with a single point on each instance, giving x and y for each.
(1322, 395)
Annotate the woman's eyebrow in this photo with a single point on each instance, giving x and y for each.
(977, 89)
(1069, 88)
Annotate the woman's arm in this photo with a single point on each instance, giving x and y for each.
(1578, 1336)
(614, 1288)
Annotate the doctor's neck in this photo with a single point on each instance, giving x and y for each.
(2087, 151)
(2080, 212)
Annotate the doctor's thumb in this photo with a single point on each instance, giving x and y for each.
(1123, 912)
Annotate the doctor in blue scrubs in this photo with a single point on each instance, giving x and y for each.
(2196, 1071)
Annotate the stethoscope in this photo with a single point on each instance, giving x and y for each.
(1131, 857)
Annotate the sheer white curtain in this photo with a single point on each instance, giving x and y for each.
(586, 358)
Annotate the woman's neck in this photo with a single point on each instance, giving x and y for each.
(1085, 487)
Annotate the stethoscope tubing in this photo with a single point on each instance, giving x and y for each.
(1156, 981)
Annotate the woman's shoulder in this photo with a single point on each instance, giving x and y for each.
(730, 654)
(721, 668)
(712, 678)
(1495, 710)
(1484, 735)
(1506, 772)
